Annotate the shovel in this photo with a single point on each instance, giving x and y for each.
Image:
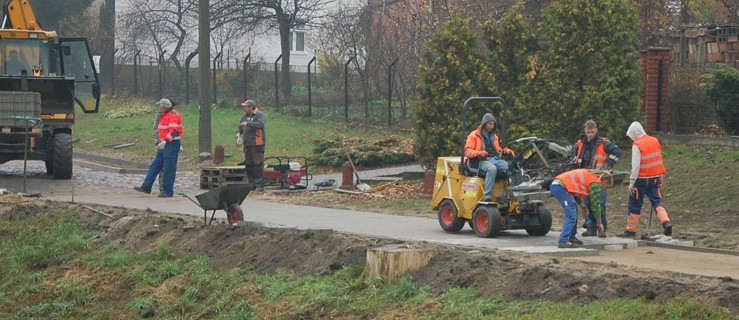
(361, 186)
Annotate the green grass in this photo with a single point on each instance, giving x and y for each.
(112, 282)
(286, 134)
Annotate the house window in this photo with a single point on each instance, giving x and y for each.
(297, 41)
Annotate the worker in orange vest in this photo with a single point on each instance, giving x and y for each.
(569, 188)
(647, 170)
(595, 152)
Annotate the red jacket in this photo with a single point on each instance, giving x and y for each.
(170, 126)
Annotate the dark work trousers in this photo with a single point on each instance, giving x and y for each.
(254, 164)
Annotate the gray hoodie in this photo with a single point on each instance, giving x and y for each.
(486, 118)
(634, 132)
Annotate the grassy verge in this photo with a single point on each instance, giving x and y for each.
(49, 270)
(120, 122)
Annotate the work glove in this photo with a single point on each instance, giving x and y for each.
(509, 151)
(239, 140)
(483, 154)
(161, 145)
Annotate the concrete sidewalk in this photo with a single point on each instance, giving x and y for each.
(406, 228)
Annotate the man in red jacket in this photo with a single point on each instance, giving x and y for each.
(647, 170)
(170, 134)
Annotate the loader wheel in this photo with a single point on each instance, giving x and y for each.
(545, 222)
(61, 151)
(235, 214)
(448, 218)
(487, 221)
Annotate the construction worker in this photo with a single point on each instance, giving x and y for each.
(482, 147)
(250, 134)
(165, 162)
(647, 170)
(569, 188)
(595, 152)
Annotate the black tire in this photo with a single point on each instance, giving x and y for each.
(448, 218)
(486, 221)
(545, 221)
(61, 151)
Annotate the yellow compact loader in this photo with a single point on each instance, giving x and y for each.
(518, 201)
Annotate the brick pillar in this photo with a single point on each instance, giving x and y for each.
(655, 79)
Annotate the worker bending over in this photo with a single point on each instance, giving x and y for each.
(569, 188)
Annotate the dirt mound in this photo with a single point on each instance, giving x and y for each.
(265, 249)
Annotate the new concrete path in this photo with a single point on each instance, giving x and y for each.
(406, 228)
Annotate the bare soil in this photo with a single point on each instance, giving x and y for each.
(513, 275)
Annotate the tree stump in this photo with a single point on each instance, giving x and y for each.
(393, 260)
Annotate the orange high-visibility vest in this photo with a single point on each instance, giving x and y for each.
(578, 181)
(600, 156)
(651, 157)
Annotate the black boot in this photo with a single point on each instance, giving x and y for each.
(667, 226)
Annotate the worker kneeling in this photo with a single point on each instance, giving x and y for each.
(482, 145)
(569, 188)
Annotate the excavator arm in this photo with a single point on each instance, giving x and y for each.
(18, 15)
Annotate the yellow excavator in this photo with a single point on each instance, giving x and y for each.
(42, 78)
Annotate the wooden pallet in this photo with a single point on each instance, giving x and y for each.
(216, 177)
(213, 185)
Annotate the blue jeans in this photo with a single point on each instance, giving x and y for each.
(491, 166)
(567, 200)
(166, 163)
(590, 222)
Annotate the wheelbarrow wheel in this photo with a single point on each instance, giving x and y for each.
(235, 214)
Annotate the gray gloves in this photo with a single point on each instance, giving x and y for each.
(161, 145)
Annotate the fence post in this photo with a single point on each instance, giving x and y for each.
(310, 98)
(187, 74)
(245, 86)
(161, 74)
(112, 75)
(346, 88)
(277, 83)
(390, 92)
(215, 68)
(136, 72)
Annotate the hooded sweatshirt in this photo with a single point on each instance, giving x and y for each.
(634, 132)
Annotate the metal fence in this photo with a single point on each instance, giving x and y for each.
(336, 96)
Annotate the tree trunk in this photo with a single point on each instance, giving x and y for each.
(285, 83)
(394, 260)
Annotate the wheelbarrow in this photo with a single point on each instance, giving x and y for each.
(227, 198)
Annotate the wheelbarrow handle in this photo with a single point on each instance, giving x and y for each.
(188, 197)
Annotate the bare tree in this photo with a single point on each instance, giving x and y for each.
(285, 16)
(344, 33)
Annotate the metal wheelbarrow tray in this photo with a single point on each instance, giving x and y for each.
(227, 198)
